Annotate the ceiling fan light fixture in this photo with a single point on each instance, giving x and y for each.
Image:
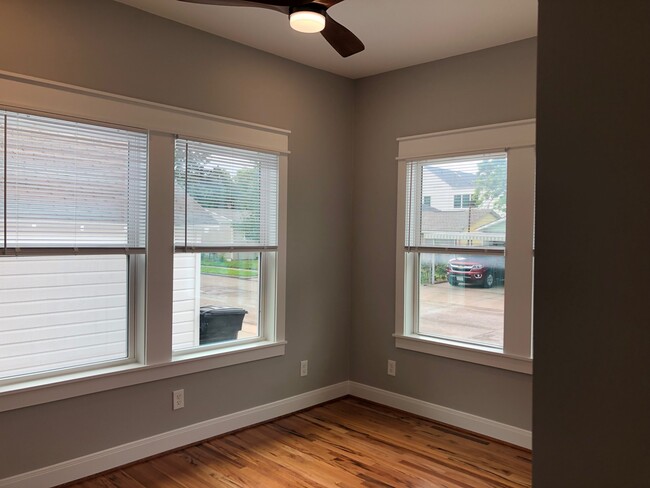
(307, 21)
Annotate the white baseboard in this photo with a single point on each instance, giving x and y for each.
(474, 423)
(133, 451)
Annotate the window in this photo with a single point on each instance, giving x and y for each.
(79, 310)
(463, 201)
(465, 272)
(73, 213)
(226, 226)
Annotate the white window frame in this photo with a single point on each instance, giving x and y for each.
(517, 139)
(153, 359)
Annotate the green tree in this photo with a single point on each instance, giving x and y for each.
(490, 189)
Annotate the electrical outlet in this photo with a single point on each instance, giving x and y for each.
(391, 367)
(304, 368)
(178, 398)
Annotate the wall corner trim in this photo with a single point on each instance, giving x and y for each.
(474, 423)
(114, 457)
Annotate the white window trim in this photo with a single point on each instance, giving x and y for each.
(518, 139)
(153, 350)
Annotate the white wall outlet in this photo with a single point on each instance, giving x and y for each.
(391, 367)
(178, 398)
(304, 368)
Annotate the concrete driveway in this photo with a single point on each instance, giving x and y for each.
(463, 314)
(453, 312)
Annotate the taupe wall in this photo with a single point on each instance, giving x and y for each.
(592, 336)
(486, 87)
(112, 47)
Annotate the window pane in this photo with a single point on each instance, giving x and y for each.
(216, 298)
(61, 312)
(461, 297)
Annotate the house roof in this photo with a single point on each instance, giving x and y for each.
(455, 179)
(202, 215)
(497, 227)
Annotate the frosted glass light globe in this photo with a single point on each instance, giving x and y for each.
(307, 22)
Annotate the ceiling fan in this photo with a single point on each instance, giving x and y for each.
(305, 16)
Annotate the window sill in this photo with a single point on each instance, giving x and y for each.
(35, 392)
(464, 352)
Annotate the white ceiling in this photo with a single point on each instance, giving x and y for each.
(397, 33)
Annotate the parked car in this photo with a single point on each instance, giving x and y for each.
(485, 271)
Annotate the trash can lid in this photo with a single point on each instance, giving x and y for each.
(212, 310)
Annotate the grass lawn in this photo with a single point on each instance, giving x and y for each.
(223, 271)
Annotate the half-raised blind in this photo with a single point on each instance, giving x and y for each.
(73, 186)
(456, 203)
(225, 197)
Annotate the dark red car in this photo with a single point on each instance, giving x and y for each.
(482, 271)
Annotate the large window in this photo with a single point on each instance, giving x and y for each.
(226, 226)
(90, 183)
(73, 214)
(465, 244)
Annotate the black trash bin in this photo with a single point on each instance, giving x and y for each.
(218, 324)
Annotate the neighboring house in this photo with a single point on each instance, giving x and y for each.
(208, 224)
(497, 231)
(447, 189)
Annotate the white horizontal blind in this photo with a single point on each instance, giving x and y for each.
(225, 197)
(72, 186)
(456, 202)
(61, 312)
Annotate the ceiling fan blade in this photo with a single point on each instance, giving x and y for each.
(226, 3)
(285, 3)
(327, 3)
(279, 5)
(341, 38)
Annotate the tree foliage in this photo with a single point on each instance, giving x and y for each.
(490, 189)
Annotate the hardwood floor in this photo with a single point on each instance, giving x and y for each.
(345, 443)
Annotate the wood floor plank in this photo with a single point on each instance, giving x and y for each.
(348, 443)
(378, 425)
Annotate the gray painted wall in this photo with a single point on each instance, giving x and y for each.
(339, 128)
(592, 366)
(108, 46)
(485, 87)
